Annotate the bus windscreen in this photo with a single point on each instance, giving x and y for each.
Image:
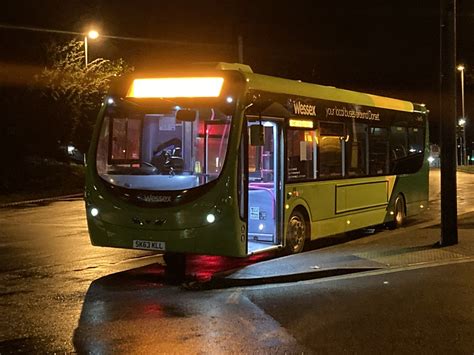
(153, 149)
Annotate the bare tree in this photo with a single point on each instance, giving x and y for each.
(71, 93)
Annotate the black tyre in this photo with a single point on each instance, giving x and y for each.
(399, 213)
(296, 233)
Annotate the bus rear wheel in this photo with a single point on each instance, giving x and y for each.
(296, 233)
(399, 213)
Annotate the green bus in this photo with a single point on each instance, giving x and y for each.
(218, 160)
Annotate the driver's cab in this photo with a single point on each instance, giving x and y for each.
(167, 157)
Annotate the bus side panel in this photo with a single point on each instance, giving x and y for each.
(415, 190)
(342, 205)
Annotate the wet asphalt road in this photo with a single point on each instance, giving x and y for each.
(60, 294)
(428, 310)
(47, 265)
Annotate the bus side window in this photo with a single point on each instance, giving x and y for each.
(300, 154)
(378, 151)
(330, 145)
(415, 140)
(398, 143)
(356, 149)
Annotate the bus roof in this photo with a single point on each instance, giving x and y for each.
(272, 84)
(278, 85)
(295, 87)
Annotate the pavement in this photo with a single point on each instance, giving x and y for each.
(417, 244)
(25, 202)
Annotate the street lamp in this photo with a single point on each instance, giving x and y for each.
(92, 34)
(462, 121)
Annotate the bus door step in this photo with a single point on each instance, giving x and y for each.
(261, 237)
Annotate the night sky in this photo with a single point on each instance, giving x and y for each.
(382, 47)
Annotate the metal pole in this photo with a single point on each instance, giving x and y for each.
(464, 160)
(85, 49)
(449, 228)
(462, 92)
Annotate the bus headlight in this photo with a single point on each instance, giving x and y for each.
(210, 218)
(94, 212)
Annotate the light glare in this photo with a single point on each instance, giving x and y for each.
(93, 34)
(176, 87)
(211, 218)
(94, 212)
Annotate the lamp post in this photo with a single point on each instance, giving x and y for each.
(92, 35)
(462, 120)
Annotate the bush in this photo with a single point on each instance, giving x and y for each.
(38, 177)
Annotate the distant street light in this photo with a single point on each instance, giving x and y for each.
(93, 34)
(462, 120)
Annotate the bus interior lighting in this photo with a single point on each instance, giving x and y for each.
(229, 99)
(176, 87)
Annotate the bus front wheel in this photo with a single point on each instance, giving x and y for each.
(399, 213)
(296, 232)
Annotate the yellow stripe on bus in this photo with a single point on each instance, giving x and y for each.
(392, 104)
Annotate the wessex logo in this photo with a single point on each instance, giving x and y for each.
(154, 198)
(304, 109)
